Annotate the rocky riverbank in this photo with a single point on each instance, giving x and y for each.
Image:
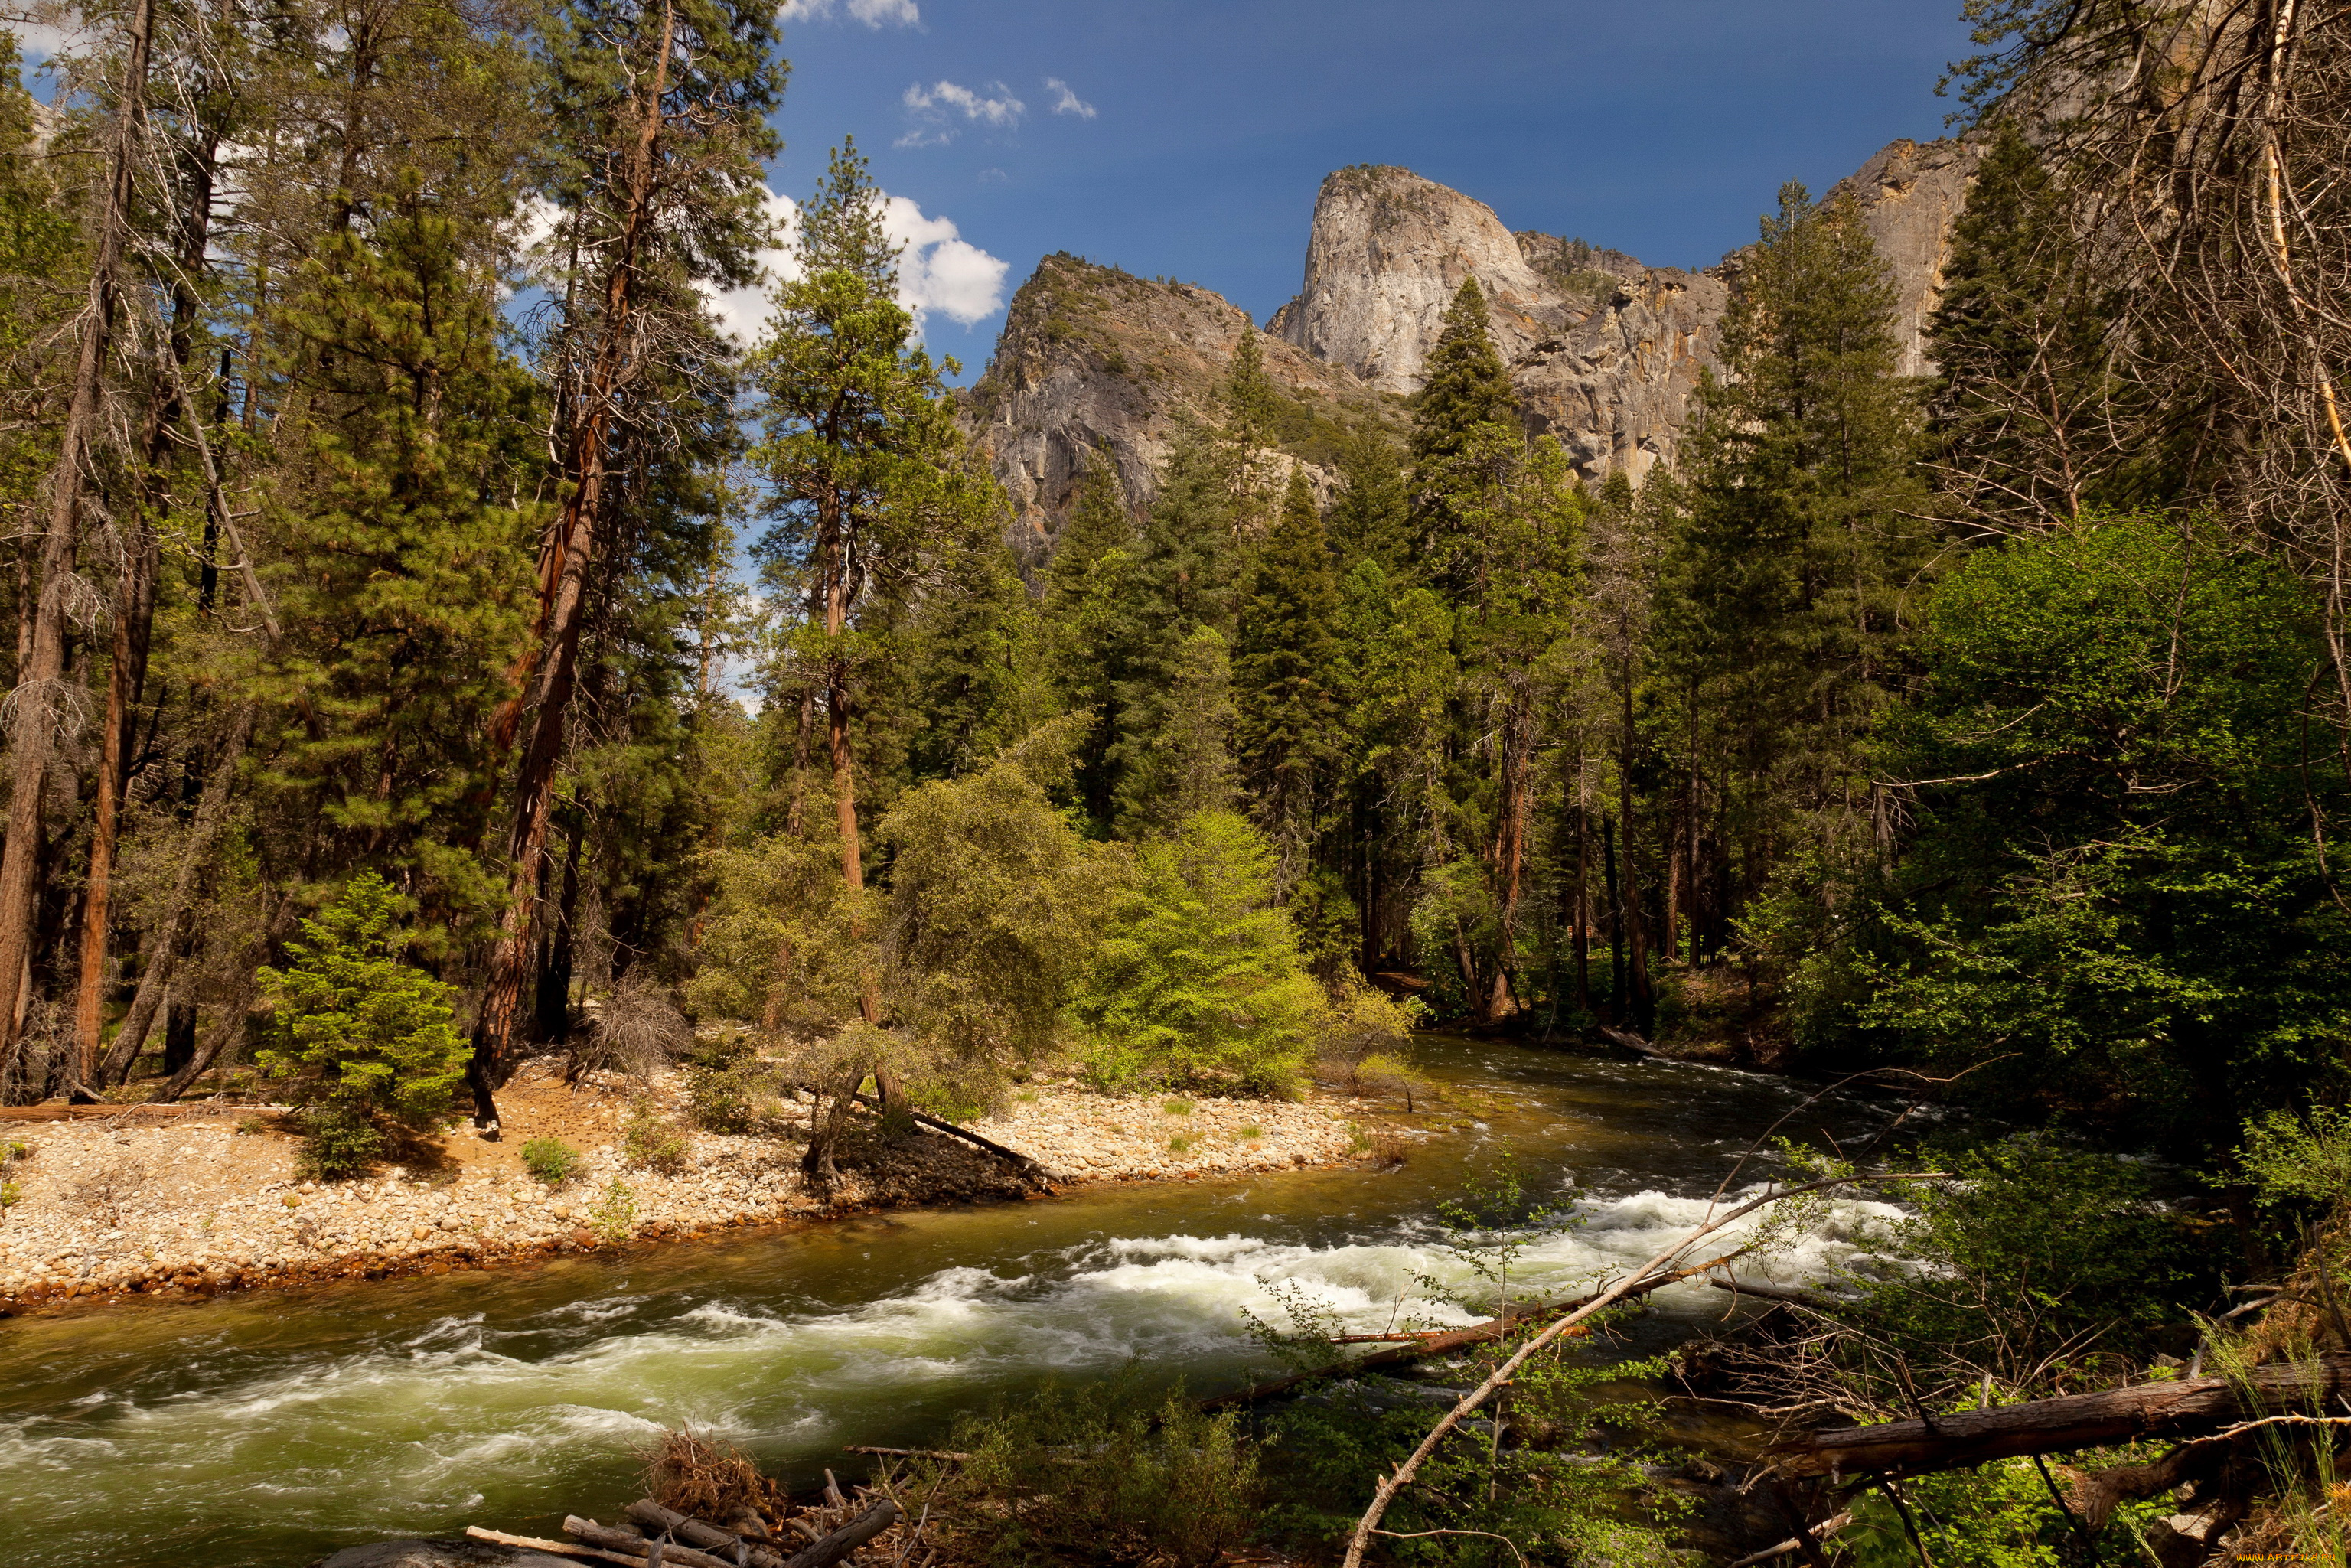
(174, 1202)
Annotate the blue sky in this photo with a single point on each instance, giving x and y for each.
(1190, 138)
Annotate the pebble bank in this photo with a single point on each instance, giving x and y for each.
(144, 1205)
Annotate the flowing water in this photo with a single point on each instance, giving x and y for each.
(270, 1427)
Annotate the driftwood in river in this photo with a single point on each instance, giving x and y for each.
(1967, 1437)
(725, 1542)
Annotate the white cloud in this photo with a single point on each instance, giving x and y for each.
(1068, 103)
(873, 13)
(938, 270)
(934, 109)
(38, 41)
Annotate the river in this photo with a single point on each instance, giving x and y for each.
(270, 1427)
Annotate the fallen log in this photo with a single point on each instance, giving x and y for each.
(558, 1548)
(2147, 1410)
(636, 1548)
(1792, 1297)
(832, 1547)
(61, 1113)
(728, 1542)
(1037, 1175)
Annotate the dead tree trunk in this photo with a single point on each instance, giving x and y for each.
(1970, 1438)
(33, 727)
(134, 610)
(204, 841)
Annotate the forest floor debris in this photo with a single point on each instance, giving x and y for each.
(138, 1207)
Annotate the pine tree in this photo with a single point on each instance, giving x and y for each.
(1371, 517)
(2027, 402)
(971, 655)
(1804, 533)
(1082, 620)
(1183, 576)
(1251, 410)
(1189, 767)
(658, 131)
(1464, 417)
(406, 586)
(1287, 737)
(863, 452)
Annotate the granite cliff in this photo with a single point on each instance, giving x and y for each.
(1606, 351)
(1094, 359)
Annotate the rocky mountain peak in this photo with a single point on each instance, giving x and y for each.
(1387, 252)
(1606, 351)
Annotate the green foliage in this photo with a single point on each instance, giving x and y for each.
(551, 1160)
(1091, 1474)
(2300, 1161)
(2112, 904)
(779, 943)
(650, 1142)
(1170, 700)
(729, 1087)
(1198, 980)
(994, 911)
(613, 1216)
(2000, 1515)
(1288, 738)
(2036, 1256)
(359, 1036)
(405, 585)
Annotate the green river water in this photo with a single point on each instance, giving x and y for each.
(271, 1428)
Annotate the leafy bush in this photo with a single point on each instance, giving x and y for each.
(1363, 1036)
(362, 1038)
(995, 904)
(1199, 981)
(650, 1141)
(1091, 1475)
(728, 1087)
(551, 1160)
(613, 1216)
(2036, 1251)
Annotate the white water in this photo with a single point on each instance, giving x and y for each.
(258, 1431)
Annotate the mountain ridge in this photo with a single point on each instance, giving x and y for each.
(1605, 350)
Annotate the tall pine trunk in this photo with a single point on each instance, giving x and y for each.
(33, 732)
(1641, 1000)
(562, 610)
(134, 614)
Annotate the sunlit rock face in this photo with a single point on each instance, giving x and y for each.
(1605, 353)
(1910, 194)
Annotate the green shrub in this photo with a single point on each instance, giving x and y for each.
(1090, 1475)
(2036, 1253)
(728, 1087)
(614, 1217)
(551, 1160)
(362, 1038)
(651, 1142)
(1199, 981)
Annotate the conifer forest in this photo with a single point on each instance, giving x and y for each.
(457, 676)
